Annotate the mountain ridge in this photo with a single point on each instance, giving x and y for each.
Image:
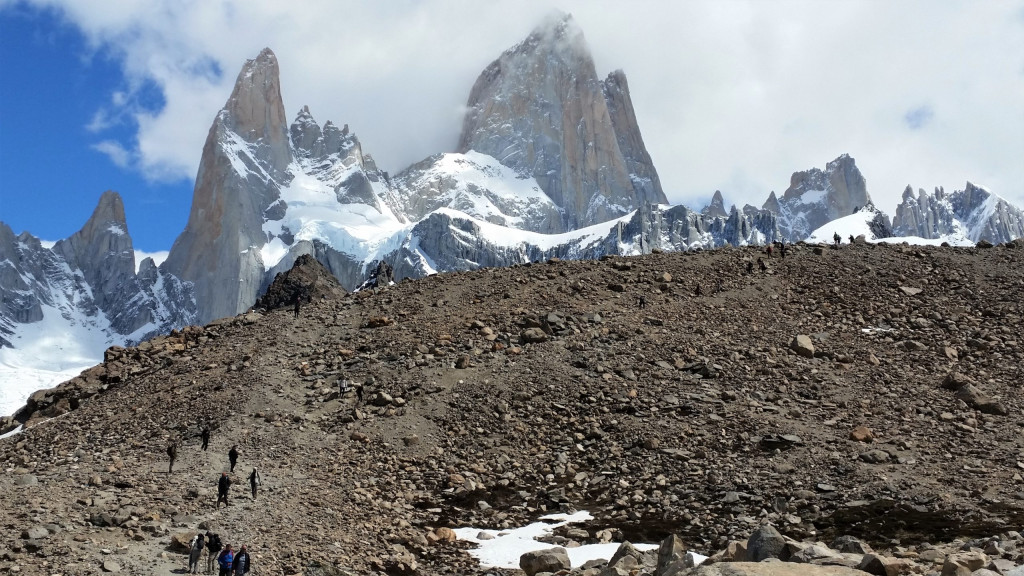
(268, 193)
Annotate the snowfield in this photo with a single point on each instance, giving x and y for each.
(47, 353)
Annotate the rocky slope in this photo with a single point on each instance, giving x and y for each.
(882, 402)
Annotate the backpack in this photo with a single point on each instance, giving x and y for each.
(214, 542)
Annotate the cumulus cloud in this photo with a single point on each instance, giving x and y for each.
(729, 95)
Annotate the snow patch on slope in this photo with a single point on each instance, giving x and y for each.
(48, 352)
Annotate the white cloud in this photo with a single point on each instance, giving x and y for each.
(729, 95)
(118, 154)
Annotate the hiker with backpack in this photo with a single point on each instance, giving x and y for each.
(213, 549)
(233, 457)
(205, 435)
(195, 552)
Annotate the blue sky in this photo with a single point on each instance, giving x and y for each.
(730, 95)
(51, 175)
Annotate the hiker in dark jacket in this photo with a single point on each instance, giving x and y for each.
(242, 562)
(172, 453)
(205, 434)
(213, 549)
(837, 238)
(297, 302)
(233, 457)
(222, 489)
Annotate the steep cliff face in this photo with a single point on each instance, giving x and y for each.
(815, 197)
(646, 183)
(541, 110)
(973, 213)
(244, 165)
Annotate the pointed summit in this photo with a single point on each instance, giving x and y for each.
(541, 110)
(102, 249)
(716, 209)
(244, 165)
(255, 111)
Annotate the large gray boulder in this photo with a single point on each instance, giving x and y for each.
(765, 542)
(550, 560)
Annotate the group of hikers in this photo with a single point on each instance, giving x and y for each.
(230, 562)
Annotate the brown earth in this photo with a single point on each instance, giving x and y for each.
(494, 396)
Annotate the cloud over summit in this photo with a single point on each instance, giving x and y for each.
(729, 95)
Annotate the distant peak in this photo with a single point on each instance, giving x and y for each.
(557, 32)
(110, 208)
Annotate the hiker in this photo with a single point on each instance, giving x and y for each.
(172, 453)
(768, 250)
(233, 457)
(750, 267)
(222, 489)
(852, 239)
(297, 302)
(782, 250)
(195, 552)
(762, 265)
(213, 548)
(837, 238)
(226, 558)
(359, 394)
(205, 435)
(242, 562)
(254, 481)
(641, 302)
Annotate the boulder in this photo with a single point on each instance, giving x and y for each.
(963, 563)
(671, 550)
(775, 569)
(550, 560)
(765, 542)
(802, 345)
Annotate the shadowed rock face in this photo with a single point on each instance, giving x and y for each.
(244, 164)
(541, 109)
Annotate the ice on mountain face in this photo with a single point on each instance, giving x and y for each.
(478, 185)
